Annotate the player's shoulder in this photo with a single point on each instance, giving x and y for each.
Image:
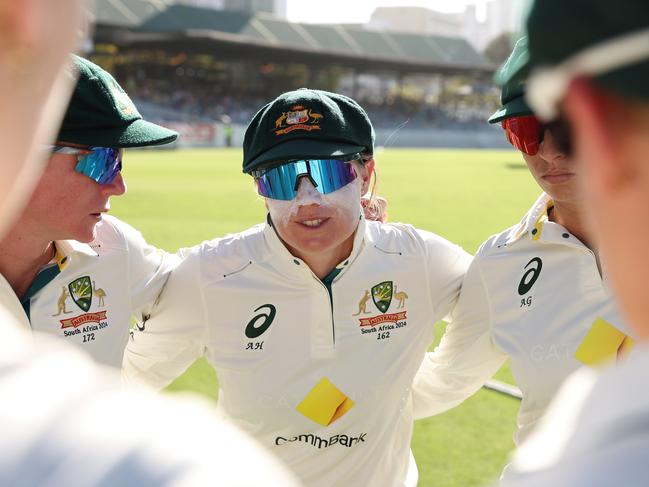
(513, 240)
(224, 255)
(500, 243)
(516, 238)
(405, 238)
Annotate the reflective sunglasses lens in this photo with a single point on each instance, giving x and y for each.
(101, 165)
(327, 175)
(330, 175)
(524, 133)
(278, 183)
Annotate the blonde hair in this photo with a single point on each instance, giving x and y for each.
(373, 205)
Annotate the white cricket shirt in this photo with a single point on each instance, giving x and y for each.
(100, 286)
(534, 295)
(321, 379)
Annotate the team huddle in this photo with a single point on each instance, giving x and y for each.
(318, 320)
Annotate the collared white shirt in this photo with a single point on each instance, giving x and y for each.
(533, 294)
(322, 380)
(100, 287)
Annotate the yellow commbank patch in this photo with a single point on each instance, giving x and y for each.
(603, 343)
(325, 403)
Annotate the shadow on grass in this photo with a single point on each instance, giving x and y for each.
(515, 165)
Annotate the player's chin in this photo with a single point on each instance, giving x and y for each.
(86, 233)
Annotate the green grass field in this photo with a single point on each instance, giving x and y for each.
(179, 198)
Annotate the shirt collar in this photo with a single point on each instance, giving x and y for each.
(534, 220)
(537, 226)
(66, 248)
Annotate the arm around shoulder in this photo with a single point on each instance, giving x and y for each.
(148, 267)
(446, 264)
(165, 345)
(466, 356)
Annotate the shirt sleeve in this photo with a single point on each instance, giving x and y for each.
(447, 264)
(465, 358)
(164, 346)
(148, 270)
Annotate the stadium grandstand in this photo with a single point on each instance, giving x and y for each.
(197, 68)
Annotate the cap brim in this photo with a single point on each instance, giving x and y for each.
(302, 149)
(517, 107)
(138, 133)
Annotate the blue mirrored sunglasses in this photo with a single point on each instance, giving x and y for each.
(326, 175)
(101, 164)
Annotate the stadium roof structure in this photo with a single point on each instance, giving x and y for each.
(241, 35)
(127, 13)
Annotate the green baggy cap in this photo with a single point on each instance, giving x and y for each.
(512, 77)
(559, 29)
(100, 113)
(305, 124)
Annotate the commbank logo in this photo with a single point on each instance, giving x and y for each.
(320, 442)
(325, 403)
(603, 342)
(261, 322)
(531, 275)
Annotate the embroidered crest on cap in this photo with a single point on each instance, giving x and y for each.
(297, 118)
(123, 101)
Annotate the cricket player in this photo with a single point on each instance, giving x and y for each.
(591, 71)
(534, 293)
(317, 320)
(64, 420)
(79, 273)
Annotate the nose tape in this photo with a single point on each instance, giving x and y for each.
(307, 194)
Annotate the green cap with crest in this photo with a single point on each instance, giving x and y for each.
(101, 114)
(306, 124)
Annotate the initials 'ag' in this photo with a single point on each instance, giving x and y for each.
(531, 275)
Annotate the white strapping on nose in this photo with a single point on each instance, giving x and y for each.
(283, 211)
(307, 194)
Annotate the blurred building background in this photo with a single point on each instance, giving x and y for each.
(502, 16)
(205, 66)
(275, 7)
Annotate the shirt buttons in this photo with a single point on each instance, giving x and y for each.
(296, 262)
(535, 231)
(566, 235)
